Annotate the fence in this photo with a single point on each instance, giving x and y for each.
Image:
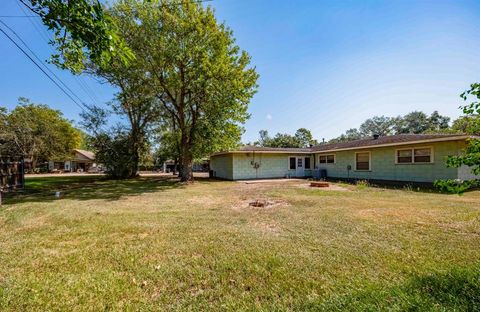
(12, 173)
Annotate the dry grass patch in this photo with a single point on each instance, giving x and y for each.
(154, 244)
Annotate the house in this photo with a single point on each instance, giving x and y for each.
(80, 161)
(399, 158)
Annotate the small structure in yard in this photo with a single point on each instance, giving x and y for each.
(12, 174)
(319, 184)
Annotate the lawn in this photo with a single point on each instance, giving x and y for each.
(154, 244)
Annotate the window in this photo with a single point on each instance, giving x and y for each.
(299, 162)
(307, 162)
(326, 159)
(292, 161)
(422, 155)
(362, 161)
(404, 156)
(414, 155)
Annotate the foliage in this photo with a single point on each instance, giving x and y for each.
(37, 132)
(82, 30)
(455, 186)
(113, 151)
(412, 123)
(380, 125)
(471, 155)
(194, 68)
(303, 138)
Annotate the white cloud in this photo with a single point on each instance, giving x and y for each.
(269, 117)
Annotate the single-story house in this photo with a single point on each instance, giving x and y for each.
(401, 158)
(80, 161)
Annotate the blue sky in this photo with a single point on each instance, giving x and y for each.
(323, 65)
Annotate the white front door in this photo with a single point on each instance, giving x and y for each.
(300, 167)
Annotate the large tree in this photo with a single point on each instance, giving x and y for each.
(82, 30)
(200, 76)
(380, 125)
(302, 138)
(37, 132)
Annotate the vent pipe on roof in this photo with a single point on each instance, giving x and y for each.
(376, 136)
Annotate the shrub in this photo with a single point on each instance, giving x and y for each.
(456, 186)
(361, 184)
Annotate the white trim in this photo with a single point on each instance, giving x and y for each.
(326, 155)
(456, 138)
(369, 161)
(262, 152)
(412, 149)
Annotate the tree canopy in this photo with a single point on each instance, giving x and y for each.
(82, 30)
(37, 132)
(414, 123)
(301, 139)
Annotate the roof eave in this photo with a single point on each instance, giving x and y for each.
(455, 138)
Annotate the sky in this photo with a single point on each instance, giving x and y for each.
(323, 65)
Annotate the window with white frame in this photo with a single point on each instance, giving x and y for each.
(414, 155)
(362, 161)
(326, 159)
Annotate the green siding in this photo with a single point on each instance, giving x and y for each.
(383, 165)
(222, 165)
(271, 166)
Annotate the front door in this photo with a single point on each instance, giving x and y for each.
(300, 167)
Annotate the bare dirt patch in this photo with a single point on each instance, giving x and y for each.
(259, 204)
(330, 187)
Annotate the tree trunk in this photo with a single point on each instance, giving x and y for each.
(186, 164)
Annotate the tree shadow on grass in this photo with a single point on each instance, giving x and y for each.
(455, 290)
(92, 187)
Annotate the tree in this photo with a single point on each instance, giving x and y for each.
(471, 156)
(201, 78)
(465, 124)
(438, 122)
(38, 132)
(302, 138)
(82, 30)
(380, 125)
(413, 123)
(305, 138)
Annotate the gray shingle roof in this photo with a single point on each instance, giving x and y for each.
(362, 143)
(391, 139)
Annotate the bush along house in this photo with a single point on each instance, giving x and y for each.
(403, 158)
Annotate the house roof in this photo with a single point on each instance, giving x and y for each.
(87, 154)
(392, 140)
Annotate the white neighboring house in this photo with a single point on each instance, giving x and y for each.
(81, 161)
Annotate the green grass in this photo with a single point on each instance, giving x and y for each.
(154, 244)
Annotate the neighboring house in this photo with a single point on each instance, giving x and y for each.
(402, 158)
(81, 161)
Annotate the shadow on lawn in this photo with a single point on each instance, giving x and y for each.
(455, 290)
(92, 187)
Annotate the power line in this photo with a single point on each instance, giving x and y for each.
(44, 34)
(41, 62)
(39, 67)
